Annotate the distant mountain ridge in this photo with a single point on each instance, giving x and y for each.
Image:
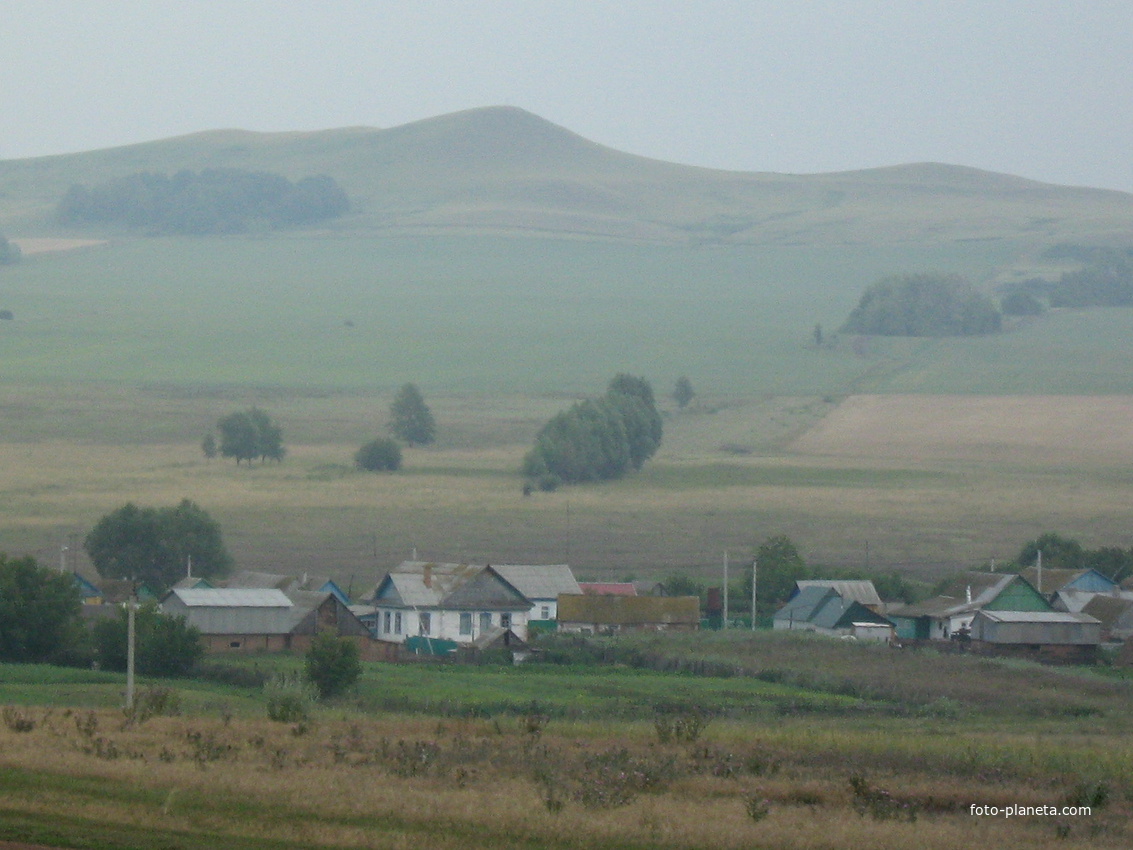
(505, 170)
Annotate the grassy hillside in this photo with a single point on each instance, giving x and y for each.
(505, 170)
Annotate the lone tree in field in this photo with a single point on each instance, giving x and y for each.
(155, 546)
(410, 418)
(250, 434)
(683, 392)
(380, 455)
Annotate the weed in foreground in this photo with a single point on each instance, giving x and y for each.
(17, 720)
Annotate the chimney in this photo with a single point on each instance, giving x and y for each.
(428, 575)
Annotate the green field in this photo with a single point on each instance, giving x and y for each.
(458, 315)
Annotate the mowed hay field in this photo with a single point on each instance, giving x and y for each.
(922, 484)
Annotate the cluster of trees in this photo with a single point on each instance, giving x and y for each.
(1066, 553)
(410, 421)
(39, 612)
(923, 305)
(597, 439)
(157, 546)
(9, 253)
(41, 622)
(1105, 281)
(246, 435)
(212, 201)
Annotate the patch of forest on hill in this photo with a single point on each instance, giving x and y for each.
(212, 201)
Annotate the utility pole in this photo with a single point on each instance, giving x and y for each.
(754, 575)
(725, 589)
(130, 642)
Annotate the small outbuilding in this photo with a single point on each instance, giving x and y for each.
(1045, 635)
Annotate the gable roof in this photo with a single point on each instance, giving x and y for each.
(426, 584)
(545, 581)
(858, 590)
(826, 608)
(230, 597)
(982, 588)
(1109, 609)
(802, 606)
(1055, 580)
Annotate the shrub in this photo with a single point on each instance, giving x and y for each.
(380, 455)
(332, 665)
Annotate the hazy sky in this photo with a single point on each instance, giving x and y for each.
(1042, 89)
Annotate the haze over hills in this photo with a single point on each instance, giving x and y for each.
(504, 170)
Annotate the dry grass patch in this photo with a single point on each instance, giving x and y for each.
(1030, 431)
(388, 781)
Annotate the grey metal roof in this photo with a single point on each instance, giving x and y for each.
(1037, 617)
(857, 590)
(539, 581)
(231, 597)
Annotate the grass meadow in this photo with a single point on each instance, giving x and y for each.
(122, 356)
(797, 743)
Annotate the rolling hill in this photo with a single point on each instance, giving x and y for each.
(505, 171)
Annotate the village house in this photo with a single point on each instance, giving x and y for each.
(950, 614)
(822, 609)
(542, 584)
(613, 614)
(861, 591)
(432, 608)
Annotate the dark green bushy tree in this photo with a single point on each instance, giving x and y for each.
(154, 545)
(410, 418)
(382, 454)
(332, 664)
(165, 645)
(250, 434)
(598, 439)
(39, 612)
(923, 305)
(780, 565)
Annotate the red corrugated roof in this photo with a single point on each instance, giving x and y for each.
(608, 588)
